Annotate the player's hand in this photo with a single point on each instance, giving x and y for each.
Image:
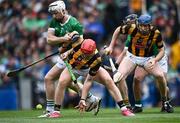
(67, 37)
(81, 106)
(107, 50)
(63, 56)
(151, 63)
(74, 36)
(73, 33)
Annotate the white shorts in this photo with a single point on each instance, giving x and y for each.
(140, 61)
(80, 74)
(60, 63)
(164, 64)
(83, 72)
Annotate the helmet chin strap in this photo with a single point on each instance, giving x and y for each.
(144, 32)
(61, 19)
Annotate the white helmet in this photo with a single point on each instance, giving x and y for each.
(57, 6)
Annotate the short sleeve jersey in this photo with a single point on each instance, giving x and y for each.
(72, 24)
(141, 45)
(79, 61)
(127, 43)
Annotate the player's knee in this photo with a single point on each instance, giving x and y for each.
(138, 79)
(109, 82)
(63, 84)
(159, 75)
(48, 79)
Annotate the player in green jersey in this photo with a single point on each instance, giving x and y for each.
(61, 25)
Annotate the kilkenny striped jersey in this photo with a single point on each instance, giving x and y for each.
(79, 60)
(142, 45)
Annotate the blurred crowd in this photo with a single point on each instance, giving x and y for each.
(23, 29)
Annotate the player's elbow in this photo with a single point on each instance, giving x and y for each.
(162, 50)
(49, 41)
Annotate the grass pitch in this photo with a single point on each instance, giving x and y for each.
(149, 115)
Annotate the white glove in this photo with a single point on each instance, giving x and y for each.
(64, 55)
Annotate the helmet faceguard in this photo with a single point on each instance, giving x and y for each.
(88, 46)
(144, 23)
(130, 19)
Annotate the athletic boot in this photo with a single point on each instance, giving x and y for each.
(98, 104)
(127, 112)
(45, 114)
(129, 107)
(137, 109)
(166, 107)
(55, 114)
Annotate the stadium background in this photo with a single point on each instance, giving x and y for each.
(23, 26)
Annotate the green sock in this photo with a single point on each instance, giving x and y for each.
(138, 103)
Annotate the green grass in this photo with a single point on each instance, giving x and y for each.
(150, 115)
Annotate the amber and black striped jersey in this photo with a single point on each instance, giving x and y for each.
(142, 45)
(79, 60)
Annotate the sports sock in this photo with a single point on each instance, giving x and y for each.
(163, 99)
(57, 107)
(126, 101)
(121, 105)
(50, 105)
(138, 103)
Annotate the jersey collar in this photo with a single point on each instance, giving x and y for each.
(62, 24)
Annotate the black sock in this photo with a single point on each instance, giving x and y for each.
(57, 107)
(163, 99)
(120, 104)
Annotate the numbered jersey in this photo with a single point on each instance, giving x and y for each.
(72, 24)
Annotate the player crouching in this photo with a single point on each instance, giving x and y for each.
(86, 61)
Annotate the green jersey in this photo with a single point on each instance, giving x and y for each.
(127, 43)
(72, 24)
(155, 50)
